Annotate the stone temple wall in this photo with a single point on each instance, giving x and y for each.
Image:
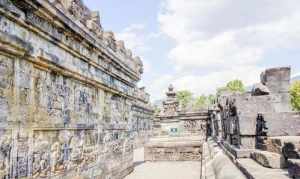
(67, 91)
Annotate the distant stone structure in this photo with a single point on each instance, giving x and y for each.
(260, 124)
(172, 121)
(69, 104)
(178, 135)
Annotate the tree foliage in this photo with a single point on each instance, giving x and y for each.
(211, 99)
(200, 101)
(235, 86)
(232, 86)
(295, 95)
(184, 97)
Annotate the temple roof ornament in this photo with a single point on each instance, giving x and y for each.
(171, 104)
(91, 20)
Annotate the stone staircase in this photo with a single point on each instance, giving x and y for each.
(280, 160)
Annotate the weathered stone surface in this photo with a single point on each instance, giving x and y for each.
(294, 168)
(259, 90)
(69, 102)
(269, 159)
(253, 170)
(173, 121)
(175, 149)
(288, 146)
(216, 165)
(248, 119)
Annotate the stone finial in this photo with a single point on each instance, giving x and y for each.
(121, 45)
(171, 88)
(142, 88)
(139, 64)
(138, 61)
(66, 3)
(95, 16)
(93, 23)
(129, 53)
(109, 35)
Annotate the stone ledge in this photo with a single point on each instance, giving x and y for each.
(253, 170)
(269, 159)
(217, 165)
(294, 168)
(236, 152)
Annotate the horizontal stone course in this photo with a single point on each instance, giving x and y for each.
(269, 159)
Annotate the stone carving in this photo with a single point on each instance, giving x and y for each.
(5, 149)
(170, 106)
(57, 79)
(76, 146)
(139, 64)
(41, 158)
(57, 165)
(6, 73)
(110, 39)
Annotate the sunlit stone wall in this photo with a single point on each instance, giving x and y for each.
(66, 93)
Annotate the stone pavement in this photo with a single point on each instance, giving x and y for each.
(163, 170)
(255, 170)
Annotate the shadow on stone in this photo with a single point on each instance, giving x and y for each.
(135, 164)
(289, 151)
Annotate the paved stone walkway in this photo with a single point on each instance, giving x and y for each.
(163, 170)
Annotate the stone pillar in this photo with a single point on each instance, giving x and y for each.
(278, 82)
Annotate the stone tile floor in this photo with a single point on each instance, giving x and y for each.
(163, 170)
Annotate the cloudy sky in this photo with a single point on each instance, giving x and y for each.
(201, 44)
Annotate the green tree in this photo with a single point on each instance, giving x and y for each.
(295, 95)
(236, 86)
(200, 101)
(232, 86)
(211, 99)
(184, 97)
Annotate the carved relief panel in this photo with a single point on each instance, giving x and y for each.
(6, 84)
(61, 151)
(5, 153)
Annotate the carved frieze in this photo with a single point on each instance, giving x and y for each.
(5, 153)
(65, 122)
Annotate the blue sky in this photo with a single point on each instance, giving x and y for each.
(199, 45)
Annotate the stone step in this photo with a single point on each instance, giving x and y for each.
(268, 159)
(294, 168)
(254, 170)
(289, 146)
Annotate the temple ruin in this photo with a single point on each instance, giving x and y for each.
(70, 107)
(178, 135)
(258, 129)
(69, 103)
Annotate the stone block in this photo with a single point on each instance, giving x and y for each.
(289, 146)
(294, 168)
(268, 159)
(259, 90)
(247, 124)
(173, 150)
(238, 152)
(282, 124)
(277, 79)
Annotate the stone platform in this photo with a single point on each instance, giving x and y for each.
(174, 149)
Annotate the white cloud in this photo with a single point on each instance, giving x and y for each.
(205, 84)
(227, 39)
(135, 38)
